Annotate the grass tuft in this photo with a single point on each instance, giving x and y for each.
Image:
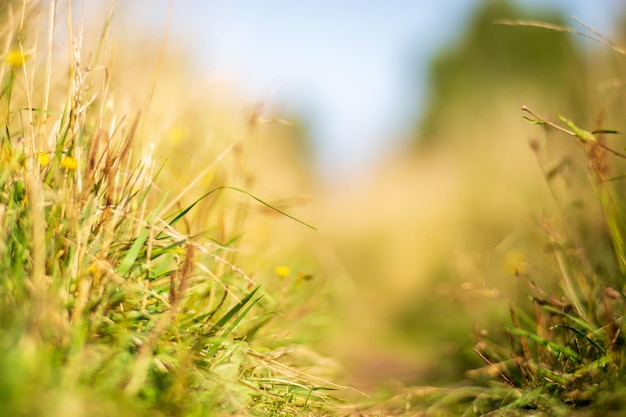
(566, 349)
(107, 305)
(563, 352)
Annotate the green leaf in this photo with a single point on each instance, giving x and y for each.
(231, 328)
(183, 212)
(554, 348)
(198, 345)
(581, 335)
(534, 121)
(605, 131)
(583, 135)
(132, 254)
(580, 322)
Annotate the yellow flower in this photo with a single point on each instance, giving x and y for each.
(69, 163)
(15, 58)
(44, 159)
(282, 271)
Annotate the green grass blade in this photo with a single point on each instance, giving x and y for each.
(582, 335)
(272, 207)
(552, 347)
(131, 256)
(216, 346)
(226, 318)
(183, 212)
(580, 322)
(221, 323)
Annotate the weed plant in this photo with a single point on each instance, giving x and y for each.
(107, 305)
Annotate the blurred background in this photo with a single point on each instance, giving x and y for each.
(404, 144)
(358, 72)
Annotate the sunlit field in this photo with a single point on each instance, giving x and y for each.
(168, 248)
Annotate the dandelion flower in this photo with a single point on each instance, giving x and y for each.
(69, 163)
(16, 58)
(44, 159)
(282, 271)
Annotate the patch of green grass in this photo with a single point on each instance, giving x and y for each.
(109, 304)
(567, 353)
(564, 350)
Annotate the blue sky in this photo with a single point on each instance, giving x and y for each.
(355, 68)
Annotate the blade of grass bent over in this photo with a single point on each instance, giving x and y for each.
(183, 212)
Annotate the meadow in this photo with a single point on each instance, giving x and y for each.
(166, 251)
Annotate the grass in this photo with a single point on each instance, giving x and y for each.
(110, 302)
(568, 354)
(563, 351)
(125, 288)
